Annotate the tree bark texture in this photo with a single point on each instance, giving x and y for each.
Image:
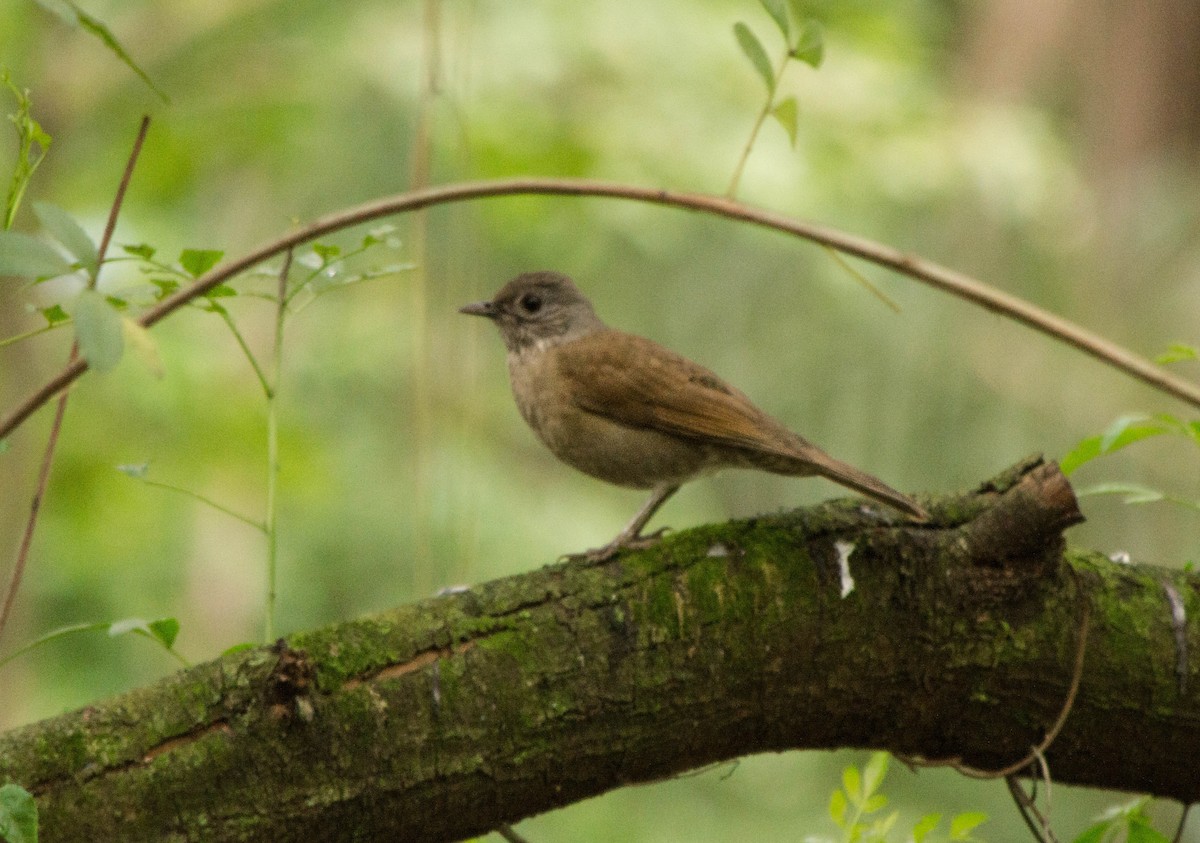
(957, 639)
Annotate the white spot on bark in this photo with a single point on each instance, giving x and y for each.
(844, 549)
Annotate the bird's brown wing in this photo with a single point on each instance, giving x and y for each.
(639, 383)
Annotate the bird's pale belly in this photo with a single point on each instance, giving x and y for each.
(625, 456)
(641, 459)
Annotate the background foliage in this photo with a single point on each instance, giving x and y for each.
(1052, 153)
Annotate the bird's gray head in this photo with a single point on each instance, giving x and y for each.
(538, 309)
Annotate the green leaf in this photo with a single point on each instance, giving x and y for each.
(97, 28)
(837, 807)
(787, 113)
(70, 233)
(26, 256)
(378, 234)
(54, 314)
(1124, 431)
(166, 286)
(809, 46)
(852, 783)
(98, 331)
(754, 51)
(875, 802)
(326, 252)
(18, 815)
(163, 630)
(141, 250)
(1177, 352)
(221, 291)
(32, 145)
(196, 262)
(1125, 426)
(880, 828)
(239, 648)
(62, 9)
(874, 772)
(962, 825)
(1095, 833)
(924, 826)
(1140, 831)
(778, 12)
(1134, 492)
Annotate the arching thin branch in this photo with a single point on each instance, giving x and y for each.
(939, 277)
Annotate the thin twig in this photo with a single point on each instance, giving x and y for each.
(506, 831)
(1037, 824)
(942, 278)
(43, 480)
(1182, 822)
(270, 522)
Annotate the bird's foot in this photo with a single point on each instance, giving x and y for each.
(602, 554)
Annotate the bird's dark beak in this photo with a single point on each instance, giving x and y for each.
(479, 308)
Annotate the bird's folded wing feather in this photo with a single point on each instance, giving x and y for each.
(638, 383)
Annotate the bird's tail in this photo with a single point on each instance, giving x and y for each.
(850, 477)
(799, 457)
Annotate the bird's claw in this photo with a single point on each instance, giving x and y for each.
(602, 554)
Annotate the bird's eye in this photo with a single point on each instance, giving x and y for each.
(531, 302)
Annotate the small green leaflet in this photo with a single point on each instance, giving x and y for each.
(18, 815)
(778, 12)
(136, 470)
(163, 630)
(1177, 352)
(196, 262)
(63, 227)
(26, 256)
(924, 826)
(1125, 431)
(754, 51)
(140, 250)
(72, 16)
(54, 314)
(810, 43)
(98, 331)
(786, 112)
(963, 824)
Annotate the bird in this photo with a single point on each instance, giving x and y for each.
(631, 412)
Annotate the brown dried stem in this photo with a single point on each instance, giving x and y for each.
(939, 277)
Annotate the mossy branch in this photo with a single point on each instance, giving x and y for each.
(959, 640)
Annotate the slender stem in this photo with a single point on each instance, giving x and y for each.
(731, 191)
(1182, 824)
(270, 522)
(73, 358)
(506, 831)
(258, 525)
(18, 337)
(241, 341)
(939, 277)
(35, 507)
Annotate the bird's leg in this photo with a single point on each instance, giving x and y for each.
(631, 537)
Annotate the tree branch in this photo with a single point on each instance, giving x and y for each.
(453, 716)
(942, 278)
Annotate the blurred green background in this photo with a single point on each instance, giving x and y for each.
(1049, 149)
